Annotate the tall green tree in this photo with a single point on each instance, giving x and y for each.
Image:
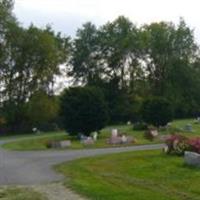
(42, 110)
(30, 58)
(166, 47)
(169, 54)
(84, 59)
(120, 51)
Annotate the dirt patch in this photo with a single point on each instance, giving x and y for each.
(56, 191)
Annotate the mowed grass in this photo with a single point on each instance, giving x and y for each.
(141, 175)
(13, 193)
(180, 124)
(39, 142)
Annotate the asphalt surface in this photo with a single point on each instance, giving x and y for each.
(36, 167)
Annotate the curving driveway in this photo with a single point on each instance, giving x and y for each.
(36, 167)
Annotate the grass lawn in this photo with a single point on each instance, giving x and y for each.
(141, 175)
(12, 193)
(181, 124)
(39, 142)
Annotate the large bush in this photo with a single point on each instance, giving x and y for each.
(83, 110)
(176, 144)
(194, 144)
(157, 111)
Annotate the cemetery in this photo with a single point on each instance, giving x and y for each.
(112, 136)
(99, 100)
(155, 173)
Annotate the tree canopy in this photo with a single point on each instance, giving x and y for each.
(129, 63)
(83, 110)
(30, 58)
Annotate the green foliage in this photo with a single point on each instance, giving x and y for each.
(30, 58)
(177, 144)
(83, 109)
(140, 126)
(157, 111)
(152, 60)
(83, 58)
(128, 63)
(42, 109)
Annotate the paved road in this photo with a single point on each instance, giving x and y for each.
(36, 167)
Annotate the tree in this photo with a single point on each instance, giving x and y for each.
(35, 58)
(30, 58)
(165, 48)
(119, 46)
(83, 109)
(85, 54)
(41, 110)
(157, 111)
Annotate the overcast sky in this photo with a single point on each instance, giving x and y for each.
(67, 15)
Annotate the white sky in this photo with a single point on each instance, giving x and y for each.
(67, 15)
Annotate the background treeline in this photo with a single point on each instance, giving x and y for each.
(130, 64)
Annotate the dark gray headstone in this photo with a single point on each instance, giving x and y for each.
(60, 144)
(188, 127)
(192, 158)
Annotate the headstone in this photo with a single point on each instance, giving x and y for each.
(169, 125)
(154, 133)
(151, 134)
(188, 127)
(59, 144)
(36, 131)
(192, 159)
(129, 123)
(197, 120)
(88, 141)
(82, 137)
(130, 140)
(115, 140)
(124, 139)
(114, 132)
(121, 140)
(65, 144)
(166, 149)
(53, 144)
(95, 135)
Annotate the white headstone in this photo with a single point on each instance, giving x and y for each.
(124, 139)
(129, 123)
(154, 133)
(114, 132)
(188, 127)
(65, 143)
(95, 135)
(88, 141)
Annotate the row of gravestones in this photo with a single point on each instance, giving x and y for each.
(116, 138)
